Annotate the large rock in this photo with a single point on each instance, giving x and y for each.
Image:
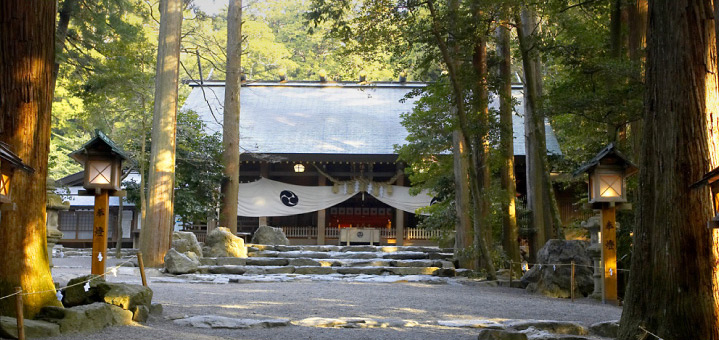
(607, 329)
(269, 235)
(222, 243)
(185, 241)
(33, 328)
(75, 294)
(178, 263)
(500, 334)
(552, 276)
(86, 318)
(124, 295)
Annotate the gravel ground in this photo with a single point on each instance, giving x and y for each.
(424, 303)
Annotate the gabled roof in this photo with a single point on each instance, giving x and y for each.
(99, 143)
(324, 118)
(608, 152)
(7, 155)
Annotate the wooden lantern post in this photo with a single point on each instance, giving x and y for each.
(608, 171)
(102, 160)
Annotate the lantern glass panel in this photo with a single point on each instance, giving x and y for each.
(4, 184)
(100, 172)
(299, 167)
(610, 185)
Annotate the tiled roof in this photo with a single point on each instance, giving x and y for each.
(323, 118)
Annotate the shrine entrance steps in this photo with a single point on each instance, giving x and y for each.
(337, 260)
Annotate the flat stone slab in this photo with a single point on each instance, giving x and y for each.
(415, 263)
(262, 261)
(231, 261)
(33, 328)
(235, 270)
(284, 248)
(263, 253)
(305, 262)
(214, 321)
(359, 249)
(356, 255)
(412, 270)
(406, 256)
(252, 247)
(472, 323)
(552, 326)
(262, 270)
(315, 270)
(361, 270)
(355, 323)
(305, 254)
(369, 263)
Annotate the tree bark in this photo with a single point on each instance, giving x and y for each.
(510, 230)
(231, 119)
(461, 110)
(26, 61)
(66, 12)
(637, 43)
(155, 236)
(481, 144)
(537, 191)
(673, 284)
(464, 238)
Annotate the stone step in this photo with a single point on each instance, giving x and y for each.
(404, 255)
(315, 270)
(322, 262)
(360, 248)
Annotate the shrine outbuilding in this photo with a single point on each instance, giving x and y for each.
(317, 157)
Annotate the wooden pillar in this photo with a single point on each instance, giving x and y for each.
(265, 173)
(321, 214)
(99, 232)
(399, 214)
(609, 254)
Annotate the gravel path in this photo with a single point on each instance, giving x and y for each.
(424, 303)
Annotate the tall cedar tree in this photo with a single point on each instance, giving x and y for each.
(672, 288)
(27, 32)
(231, 119)
(155, 235)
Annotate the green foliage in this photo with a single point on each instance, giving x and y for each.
(198, 170)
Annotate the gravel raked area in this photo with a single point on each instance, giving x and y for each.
(421, 302)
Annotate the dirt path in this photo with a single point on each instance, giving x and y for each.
(424, 303)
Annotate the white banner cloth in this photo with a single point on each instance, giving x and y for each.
(266, 197)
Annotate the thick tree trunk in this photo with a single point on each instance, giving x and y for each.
(481, 145)
(155, 236)
(26, 62)
(69, 7)
(637, 43)
(672, 288)
(537, 190)
(464, 238)
(510, 230)
(231, 119)
(461, 110)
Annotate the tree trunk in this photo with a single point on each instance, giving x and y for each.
(481, 144)
(464, 238)
(637, 42)
(155, 236)
(66, 11)
(231, 119)
(118, 243)
(672, 288)
(510, 230)
(26, 62)
(536, 151)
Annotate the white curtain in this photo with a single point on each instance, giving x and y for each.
(266, 197)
